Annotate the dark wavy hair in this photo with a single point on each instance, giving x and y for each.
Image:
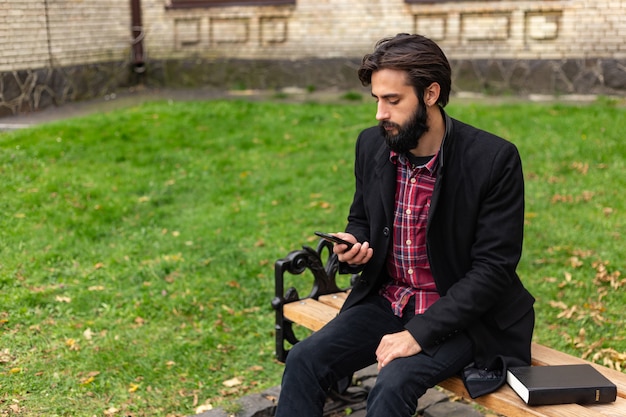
(422, 59)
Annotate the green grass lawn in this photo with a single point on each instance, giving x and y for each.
(137, 246)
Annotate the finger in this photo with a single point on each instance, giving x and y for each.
(380, 360)
(368, 255)
(340, 248)
(351, 256)
(384, 361)
(361, 255)
(345, 255)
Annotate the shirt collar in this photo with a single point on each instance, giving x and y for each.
(396, 158)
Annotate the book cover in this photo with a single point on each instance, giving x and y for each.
(561, 384)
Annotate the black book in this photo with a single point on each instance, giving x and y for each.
(561, 384)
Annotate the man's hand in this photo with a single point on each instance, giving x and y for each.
(396, 345)
(360, 253)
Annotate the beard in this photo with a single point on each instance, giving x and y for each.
(409, 134)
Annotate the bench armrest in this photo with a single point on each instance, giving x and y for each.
(324, 282)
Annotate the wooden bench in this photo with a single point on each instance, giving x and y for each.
(325, 299)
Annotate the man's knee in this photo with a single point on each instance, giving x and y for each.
(397, 378)
(302, 355)
(396, 391)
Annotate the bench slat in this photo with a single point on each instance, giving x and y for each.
(505, 401)
(616, 409)
(334, 300)
(309, 313)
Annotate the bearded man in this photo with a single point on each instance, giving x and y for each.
(437, 225)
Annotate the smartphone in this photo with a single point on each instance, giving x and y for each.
(334, 239)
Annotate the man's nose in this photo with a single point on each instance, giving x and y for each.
(382, 113)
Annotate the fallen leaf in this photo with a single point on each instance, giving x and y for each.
(203, 408)
(575, 262)
(88, 334)
(558, 304)
(233, 382)
(111, 411)
(72, 344)
(581, 167)
(87, 381)
(5, 356)
(233, 284)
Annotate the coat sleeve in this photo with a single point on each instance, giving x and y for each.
(358, 219)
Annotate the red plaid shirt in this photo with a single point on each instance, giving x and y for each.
(407, 262)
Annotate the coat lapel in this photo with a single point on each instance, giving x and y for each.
(386, 175)
(445, 145)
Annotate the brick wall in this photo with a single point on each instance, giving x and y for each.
(522, 29)
(52, 51)
(41, 33)
(23, 37)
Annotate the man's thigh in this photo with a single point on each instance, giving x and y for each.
(349, 341)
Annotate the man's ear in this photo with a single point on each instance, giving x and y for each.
(431, 94)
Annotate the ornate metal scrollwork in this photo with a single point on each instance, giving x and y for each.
(324, 282)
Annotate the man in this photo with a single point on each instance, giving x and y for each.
(437, 221)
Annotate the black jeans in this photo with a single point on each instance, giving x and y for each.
(347, 344)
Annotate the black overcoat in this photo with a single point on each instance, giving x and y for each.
(474, 243)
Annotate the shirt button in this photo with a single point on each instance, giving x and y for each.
(408, 242)
(408, 211)
(413, 180)
(410, 271)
